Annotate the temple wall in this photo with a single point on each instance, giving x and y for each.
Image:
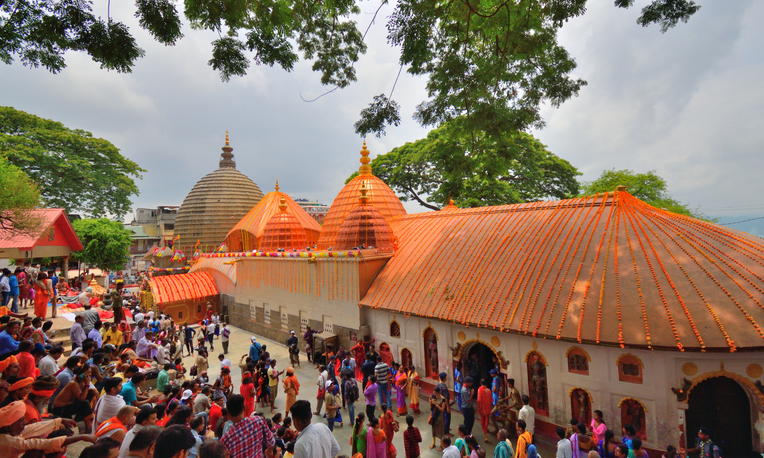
(662, 370)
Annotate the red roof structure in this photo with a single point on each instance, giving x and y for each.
(384, 199)
(605, 269)
(365, 226)
(55, 238)
(182, 287)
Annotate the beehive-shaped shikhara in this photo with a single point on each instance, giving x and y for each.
(214, 205)
(284, 231)
(247, 234)
(365, 226)
(384, 199)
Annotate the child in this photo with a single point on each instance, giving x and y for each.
(280, 438)
(411, 438)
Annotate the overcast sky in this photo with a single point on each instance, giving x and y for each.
(688, 103)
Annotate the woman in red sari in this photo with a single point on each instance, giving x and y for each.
(43, 293)
(247, 390)
(360, 356)
(389, 426)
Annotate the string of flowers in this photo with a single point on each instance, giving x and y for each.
(591, 272)
(573, 224)
(604, 270)
(710, 309)
(639, 283)
(632, 219)
(616, 203)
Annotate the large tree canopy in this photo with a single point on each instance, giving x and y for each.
(474, 169)
(73, 169)
(106, 243)
(494, 60)
(18, 197)
(647, 187)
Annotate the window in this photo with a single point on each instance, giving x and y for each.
(180, 315)
(431, 353)
(581, 405)
(633, 413)
(199, 308)
(629, 368)
(169, 227)
(395, 329)
(537, 382)
(578, 361)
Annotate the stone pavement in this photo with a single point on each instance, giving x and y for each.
(307, 375)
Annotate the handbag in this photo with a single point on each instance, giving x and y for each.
(429, 419)
(192, 371)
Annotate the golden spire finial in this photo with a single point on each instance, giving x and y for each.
(282, 203)
(364, 199)
(277, 184)
(226, 138)
(450, 201)
(365, 168)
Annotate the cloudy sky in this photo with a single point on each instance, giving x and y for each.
(688, 104)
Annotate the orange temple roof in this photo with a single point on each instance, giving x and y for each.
(365, 226)
(605, 269)
(182, 287)
(283, 231)
(384, 199)
(247, 233)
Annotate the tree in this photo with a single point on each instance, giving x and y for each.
(495, 60)
(18, 197)
(105, 243)
(474, 169)
(647, 187)
(74, 170)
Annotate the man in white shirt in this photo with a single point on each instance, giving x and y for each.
(450, 451)
(224, 362)
(48, 365)
(138, 318)
(528, 414)
(163, 354)
(315, 439)
(143, 349)
(109, 404)
(564, 449)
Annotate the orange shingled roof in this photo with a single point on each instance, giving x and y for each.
(365, 226)
(283, 231)
(246, 235)
(382, 197)
(182, 287)
(605, 269)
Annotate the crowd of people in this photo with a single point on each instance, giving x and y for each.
(100, 394)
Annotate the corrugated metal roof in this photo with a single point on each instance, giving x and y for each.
(182, 287)
(600, 269)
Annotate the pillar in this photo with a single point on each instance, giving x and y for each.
(65, 272)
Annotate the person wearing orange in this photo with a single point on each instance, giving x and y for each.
(389, 425)
(37, 400)
(291, 387)
(116, 426)
(412, 389)
(247, 390)
(484, 407)
(524, 439)
(43, 294)
(401, 383)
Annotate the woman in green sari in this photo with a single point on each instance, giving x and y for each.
(358, 440)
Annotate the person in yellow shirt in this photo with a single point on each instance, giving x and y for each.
(113, 336)
(524, 439)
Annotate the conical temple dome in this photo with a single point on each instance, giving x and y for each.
(365, 226)
(385, 202)
(214, 205)
(283, 230)
(247, 234)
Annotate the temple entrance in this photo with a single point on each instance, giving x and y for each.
(477, 360)
(721, 405)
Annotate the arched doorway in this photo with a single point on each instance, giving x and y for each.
(477, 361)
(721, 405)
(406, 358)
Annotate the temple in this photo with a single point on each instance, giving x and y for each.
(599, 302)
